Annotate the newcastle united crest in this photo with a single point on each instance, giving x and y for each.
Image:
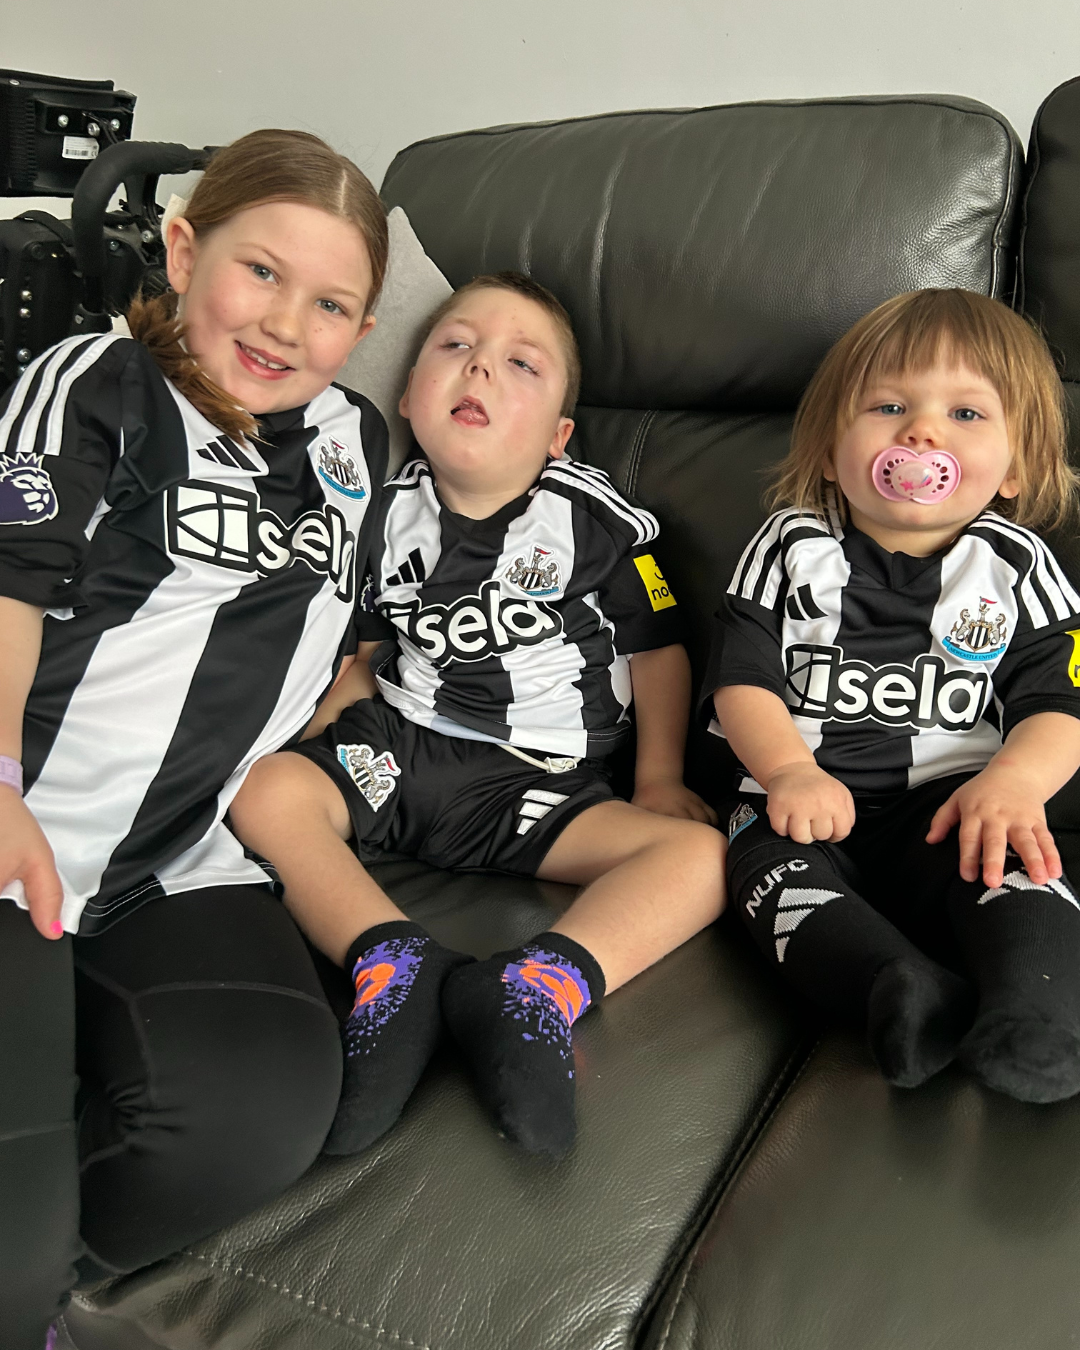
(373, 774)
(538, 576)
(979, 639)
(338, 468)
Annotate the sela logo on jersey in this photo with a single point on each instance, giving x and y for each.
(538, 576)
(27, 496)
(338, 469)
(979, 639)
(475, 627)
(821, 684)
(225, 527)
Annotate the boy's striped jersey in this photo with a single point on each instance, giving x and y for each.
(517, 628)
(898, 670)
(199, 595)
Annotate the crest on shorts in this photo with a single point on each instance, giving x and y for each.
(979, 639)
(338, 468)
(743, 815)
(373, 774)
(27, 496)
(538, 576)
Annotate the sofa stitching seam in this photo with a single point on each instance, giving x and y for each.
(768, 1108)
(283, 1290)
(637, 450)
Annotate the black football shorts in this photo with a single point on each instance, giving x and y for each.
(447, 801)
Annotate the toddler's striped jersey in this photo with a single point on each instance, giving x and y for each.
(199, 596)
(898, 670)
(517, 628)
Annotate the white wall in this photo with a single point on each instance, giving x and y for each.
(372, 77)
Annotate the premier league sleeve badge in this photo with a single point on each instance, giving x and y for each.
(27, 496)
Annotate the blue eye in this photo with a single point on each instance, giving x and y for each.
(330, 307)
(890, 409)
(966, 415)
(263, 273)
(524, 365)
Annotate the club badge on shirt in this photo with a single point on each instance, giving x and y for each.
(979, 639)
(27, 496)
(340, 471)
(538, 576)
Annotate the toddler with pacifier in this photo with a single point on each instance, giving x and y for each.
(896, 667)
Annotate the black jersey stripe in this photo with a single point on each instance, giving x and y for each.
(639, 526)
(216, 729)
(1058, 596)
(26, 425)
(600, 709)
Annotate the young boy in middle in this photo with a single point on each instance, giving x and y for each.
(524, 609)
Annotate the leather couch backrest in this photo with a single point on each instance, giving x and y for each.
(1048, 263)
(709, 258)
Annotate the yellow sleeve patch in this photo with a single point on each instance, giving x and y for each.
(1074, 659)
(660, 596)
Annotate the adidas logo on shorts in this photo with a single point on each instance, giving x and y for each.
(535, 805)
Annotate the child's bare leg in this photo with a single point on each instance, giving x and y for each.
(293, 814)
(651, 883)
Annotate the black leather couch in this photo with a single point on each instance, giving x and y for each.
(743, 1180)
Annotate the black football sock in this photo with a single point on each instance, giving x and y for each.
(511, 1017)
(839, 952)
(392, 1031)
(1022, 945)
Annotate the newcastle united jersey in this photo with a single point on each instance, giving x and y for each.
(199, 595)
(518, 628)
(898, 670)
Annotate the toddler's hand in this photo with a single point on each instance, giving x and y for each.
(25, 856)
(671, 797)
(997, 807)
(808, 804)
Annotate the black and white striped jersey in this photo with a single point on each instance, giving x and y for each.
(898, 670)
(199, 596)
(517, 628)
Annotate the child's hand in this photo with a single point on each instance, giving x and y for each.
(25, 856)
(997, 807)
(808, 804)
(671, 797)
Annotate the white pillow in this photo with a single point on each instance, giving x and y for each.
(379, 365)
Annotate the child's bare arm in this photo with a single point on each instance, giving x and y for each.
(661, 683)
(1004, 803)
(354, 682)
(25, 854)
(804, 802)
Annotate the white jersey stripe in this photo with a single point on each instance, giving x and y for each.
(1063, 598)
(50, 364)
(645, 524)
(55, 425)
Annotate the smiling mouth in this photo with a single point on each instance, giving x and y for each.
(470, 412)
(261, 359)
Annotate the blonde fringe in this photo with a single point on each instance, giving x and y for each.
(153, 321)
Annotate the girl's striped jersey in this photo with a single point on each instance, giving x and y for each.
(898, 670)
(517, 628)
(199, 596)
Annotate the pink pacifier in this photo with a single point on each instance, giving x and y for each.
(902, 476)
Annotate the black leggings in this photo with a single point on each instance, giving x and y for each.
(209, 1069)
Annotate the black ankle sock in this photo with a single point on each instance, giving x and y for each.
(843, 955)
(511, 1017)
(394, 1026)
(1022, 944)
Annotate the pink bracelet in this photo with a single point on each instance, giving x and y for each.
(11, 773)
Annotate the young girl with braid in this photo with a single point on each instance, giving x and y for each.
(183, 518)
(896, 668)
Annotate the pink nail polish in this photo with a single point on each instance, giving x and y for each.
(56, 928)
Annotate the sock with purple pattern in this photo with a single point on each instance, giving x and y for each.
(392, 1031)
(511, 1018)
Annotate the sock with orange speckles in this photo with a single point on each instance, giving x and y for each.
(511, 1017)
(392, 1031)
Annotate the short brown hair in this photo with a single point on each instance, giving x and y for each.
(913, 332)
(539, 295)
(264, 166)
